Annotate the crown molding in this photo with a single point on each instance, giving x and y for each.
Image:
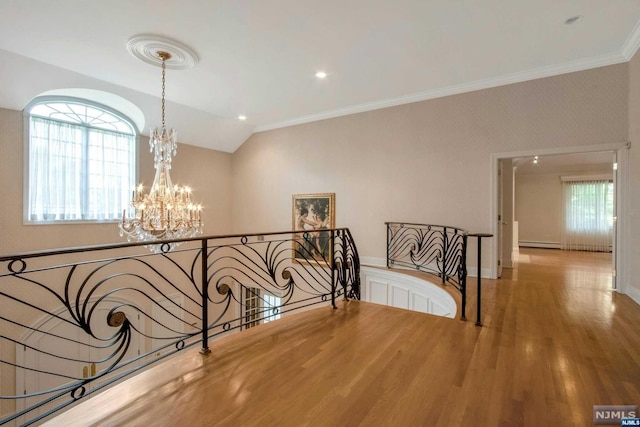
(538, 73)
(632, 43)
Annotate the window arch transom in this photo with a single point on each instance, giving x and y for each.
(82, 161)
(83, 114)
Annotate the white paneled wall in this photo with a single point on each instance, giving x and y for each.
(400, 290)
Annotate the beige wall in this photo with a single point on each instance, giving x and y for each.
(632, 253)
(207, 171)
(426, 162)
(539, 202)
(539, 208)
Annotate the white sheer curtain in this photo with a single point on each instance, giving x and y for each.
(588, 214)
(78, 173)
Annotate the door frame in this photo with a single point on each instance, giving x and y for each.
(621, 249)
(499, 219)
(41, 322)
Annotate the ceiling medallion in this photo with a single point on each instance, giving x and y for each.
(146, 47)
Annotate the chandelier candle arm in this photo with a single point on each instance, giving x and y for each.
(167, 211)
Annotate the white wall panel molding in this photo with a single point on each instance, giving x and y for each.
(373, 261)
(400, 290)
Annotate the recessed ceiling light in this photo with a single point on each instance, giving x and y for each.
(321, 74)
(573, 20)
(242, 117)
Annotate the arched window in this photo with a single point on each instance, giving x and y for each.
(82, 161)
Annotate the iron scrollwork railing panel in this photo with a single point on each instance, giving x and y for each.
(348, 265)
(434, 249)
(81, 320)
(75, 321)
(283, 266)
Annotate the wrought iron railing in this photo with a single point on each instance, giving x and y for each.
(75, 321)
(435, 249)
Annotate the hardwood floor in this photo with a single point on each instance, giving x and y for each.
(555, 341)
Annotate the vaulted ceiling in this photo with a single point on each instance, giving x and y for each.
(259, 58)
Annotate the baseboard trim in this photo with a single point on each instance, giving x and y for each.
(373, 261)
(473, 272)
(634, 294)
(543, 245)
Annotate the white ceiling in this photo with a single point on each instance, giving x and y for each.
(259, 58)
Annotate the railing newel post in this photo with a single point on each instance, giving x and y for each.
(463, 279)
(333, 269)
(205, 299)
(445, 244)
(479, 283)
(345, 265)
(479, 236)
(388, 245)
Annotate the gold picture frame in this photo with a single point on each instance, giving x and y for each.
(311, 214)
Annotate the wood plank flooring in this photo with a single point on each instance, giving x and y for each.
(555, 341)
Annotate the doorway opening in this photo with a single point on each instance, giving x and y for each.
(534, 194)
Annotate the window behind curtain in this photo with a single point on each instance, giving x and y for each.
(272, 308)
(257, 304)
(588, 224)
(82, 160)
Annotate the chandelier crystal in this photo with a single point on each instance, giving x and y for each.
(167, 211)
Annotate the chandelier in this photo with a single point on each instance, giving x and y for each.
(167, 211)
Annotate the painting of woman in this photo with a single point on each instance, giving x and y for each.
(312, 214)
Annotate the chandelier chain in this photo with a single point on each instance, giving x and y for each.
(167, 211)
(163, 81)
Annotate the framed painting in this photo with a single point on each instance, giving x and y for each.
(313, 214)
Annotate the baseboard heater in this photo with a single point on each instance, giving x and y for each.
(552, 245)
(545, 245)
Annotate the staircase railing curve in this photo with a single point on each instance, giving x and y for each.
(439, 250)
(74, 321)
